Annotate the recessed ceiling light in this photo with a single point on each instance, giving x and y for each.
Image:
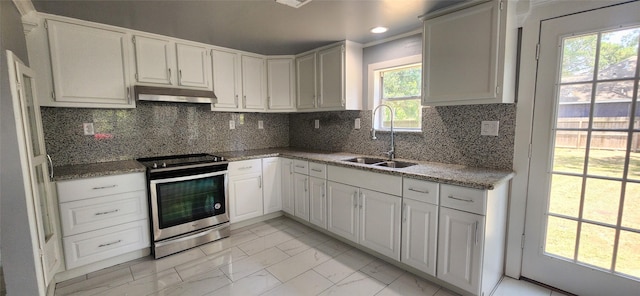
(293, 3)
(378, 30)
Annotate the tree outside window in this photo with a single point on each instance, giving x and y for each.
(400, 88)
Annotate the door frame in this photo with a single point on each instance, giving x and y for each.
(538, 12)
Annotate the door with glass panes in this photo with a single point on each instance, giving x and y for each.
(35, 163)
(583, 209)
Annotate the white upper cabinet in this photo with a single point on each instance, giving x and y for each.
(306, 81)
(194, 66)
(253, 83)
(226, 84)
(89, 65)
(330, 78)
(154, 60)
(469, 55)
(164, 62)
(280, 84)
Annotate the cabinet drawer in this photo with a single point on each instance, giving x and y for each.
(374, 181)
(101, 212)
(318, 170)
(100, 186)
(301, 166)
(463, 198)
(420, 190)
(245, 167)
(89, 247)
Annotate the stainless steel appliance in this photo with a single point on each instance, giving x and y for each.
(187, 201)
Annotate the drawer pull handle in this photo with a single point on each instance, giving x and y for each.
(300, 166)
(107, 212)
(105, 187)
(419, 191)
(460, 199)
(317, 170)
(108, 244)
(245, 167)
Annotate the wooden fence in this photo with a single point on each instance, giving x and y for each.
(614, 140)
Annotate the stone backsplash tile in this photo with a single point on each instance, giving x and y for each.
(450, 134)
(155, 129)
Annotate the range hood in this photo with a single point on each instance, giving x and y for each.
(178, 95)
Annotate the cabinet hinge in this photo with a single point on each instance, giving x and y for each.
(133, 39)
(136, 75)
(501, 5)
(530, 149)
(522, 242)
(537, 51)
(497, 89)
(53, 95)
(46, 24)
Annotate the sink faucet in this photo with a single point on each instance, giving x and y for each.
(391, 153)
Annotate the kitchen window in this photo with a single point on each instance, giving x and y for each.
(398, 84)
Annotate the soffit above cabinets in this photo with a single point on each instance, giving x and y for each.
(259, 26)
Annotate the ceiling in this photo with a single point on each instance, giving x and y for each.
(259, 26)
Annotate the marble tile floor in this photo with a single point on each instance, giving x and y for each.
(274, 257)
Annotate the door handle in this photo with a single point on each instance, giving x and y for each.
(404, 212)
(419, 191)
(50, 167)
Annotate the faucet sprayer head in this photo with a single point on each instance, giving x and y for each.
(373, 134)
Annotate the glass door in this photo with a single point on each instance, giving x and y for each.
(583, 210)
(36, 167)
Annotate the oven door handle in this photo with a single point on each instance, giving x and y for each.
(186, 178)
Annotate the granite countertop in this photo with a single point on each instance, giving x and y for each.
(78, 171)
(479, 178)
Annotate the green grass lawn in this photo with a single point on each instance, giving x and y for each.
(601, 204)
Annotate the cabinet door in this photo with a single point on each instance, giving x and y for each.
(380, 222)
(419, 235)
(286, 173)
(306, 81)
(271, 185)
(343, 210)
(318, 202)
(301, 190)
(253, 83)
(280, 84)
(225, 78)
(89, 64)
(154, 60)
(460, 241)
(245, 197)
(331, 80)
(193, 66)
(468, 73)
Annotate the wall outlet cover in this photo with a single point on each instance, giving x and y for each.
(357, 123)
(87, 128)
(489, 128)
(232, 124)
(316, 123)
(260, 124)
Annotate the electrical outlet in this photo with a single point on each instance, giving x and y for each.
(241, 119)
(489, 128)
(232, 124)
(316, 123)
(357, 124)
(260, 124)
(87, 128)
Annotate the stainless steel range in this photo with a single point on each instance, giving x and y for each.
(188, 201)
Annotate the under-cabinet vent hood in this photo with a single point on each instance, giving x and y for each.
(178, 95)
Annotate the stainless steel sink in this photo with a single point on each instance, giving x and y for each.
(395, 164)
(380, 162)
(365, 160)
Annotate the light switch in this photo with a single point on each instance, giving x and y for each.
(489, 128)
(357, 124)
(87, 128)
(316, 123)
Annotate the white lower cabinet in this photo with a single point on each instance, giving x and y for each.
(245, 190)
(420, 224)
(301, 196)
(286, 181)
(103, 217)
(271, 185)
(318, 201)
(366, 217)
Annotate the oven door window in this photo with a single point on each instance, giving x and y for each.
(190, 200)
